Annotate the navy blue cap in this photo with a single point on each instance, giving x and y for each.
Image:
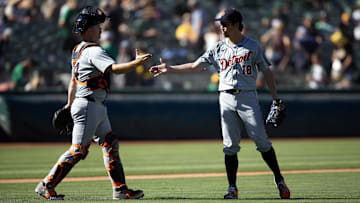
(230, 15)
(88, 17)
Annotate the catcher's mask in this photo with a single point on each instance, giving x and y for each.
(88, 17)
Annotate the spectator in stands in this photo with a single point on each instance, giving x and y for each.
(323, 26)
(21, 11)
(197, 23)
(4, 45)
(214, 82)
(343, 63)
(306, 43)
(106, 42)
(277, 45)
(22, 74)
(130, 8)
(48, 8)
(125, 54)
(357, 31)
(180, 9)
(281, 10)
(29, 12)
(10, 10)
(184, 32)
(115, 13)
(157, 13)
(316, 77)
(212, 35)
(145, 28)
(66, 18)
(356, 11)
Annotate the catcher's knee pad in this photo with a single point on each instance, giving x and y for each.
(112, 161)
(79, 152)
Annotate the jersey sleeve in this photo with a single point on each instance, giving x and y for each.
(261, 60)
(207, 59)
(100, 58)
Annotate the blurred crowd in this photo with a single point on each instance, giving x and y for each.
(310, 43)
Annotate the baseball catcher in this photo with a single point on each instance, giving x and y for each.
(276, 114)
(88, 119)
(63, 122)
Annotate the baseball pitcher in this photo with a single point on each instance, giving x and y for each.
(87, 92)
(237, 60)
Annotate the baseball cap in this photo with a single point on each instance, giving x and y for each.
(230, 15)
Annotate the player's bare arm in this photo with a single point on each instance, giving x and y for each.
(163, 68)
(122, 68)
(270, 81)
(71, 92)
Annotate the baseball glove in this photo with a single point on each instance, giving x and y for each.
(63, 122)
(276, 114)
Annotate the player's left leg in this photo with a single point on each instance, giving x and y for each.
(110, 147)
(251, 115)
(271, 160)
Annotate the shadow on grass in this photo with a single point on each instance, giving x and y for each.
(325, 198)
(259, 198)
(211, 199)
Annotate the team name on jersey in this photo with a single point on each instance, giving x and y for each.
(234, 59)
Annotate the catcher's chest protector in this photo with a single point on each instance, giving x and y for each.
(94, 83)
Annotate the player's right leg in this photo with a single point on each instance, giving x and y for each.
(84, 128)
(46, 188)
(231, 127)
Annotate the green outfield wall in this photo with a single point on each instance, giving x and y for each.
(26, 117)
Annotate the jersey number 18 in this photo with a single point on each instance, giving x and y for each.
(246, 69)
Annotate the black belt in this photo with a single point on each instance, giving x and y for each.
(92, 99)
(232, 91)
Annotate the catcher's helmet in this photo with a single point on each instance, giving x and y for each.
(88, 17)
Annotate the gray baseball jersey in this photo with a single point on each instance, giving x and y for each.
(92, 61)
(237, 66)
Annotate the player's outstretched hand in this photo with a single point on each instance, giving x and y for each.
(159, 69)
(142, 58)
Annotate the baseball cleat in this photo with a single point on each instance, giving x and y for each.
(283, 190)
(232, 193)
(125, 193)
(47, 193)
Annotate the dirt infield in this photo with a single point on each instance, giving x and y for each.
(187, 175)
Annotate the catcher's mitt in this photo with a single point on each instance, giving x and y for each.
(63, 122)
(276, 114)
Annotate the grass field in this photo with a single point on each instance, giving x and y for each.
(35, 161)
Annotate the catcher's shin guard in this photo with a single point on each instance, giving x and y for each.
(65, 164)
(112, 161)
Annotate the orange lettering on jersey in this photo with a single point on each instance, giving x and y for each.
(234, 59)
